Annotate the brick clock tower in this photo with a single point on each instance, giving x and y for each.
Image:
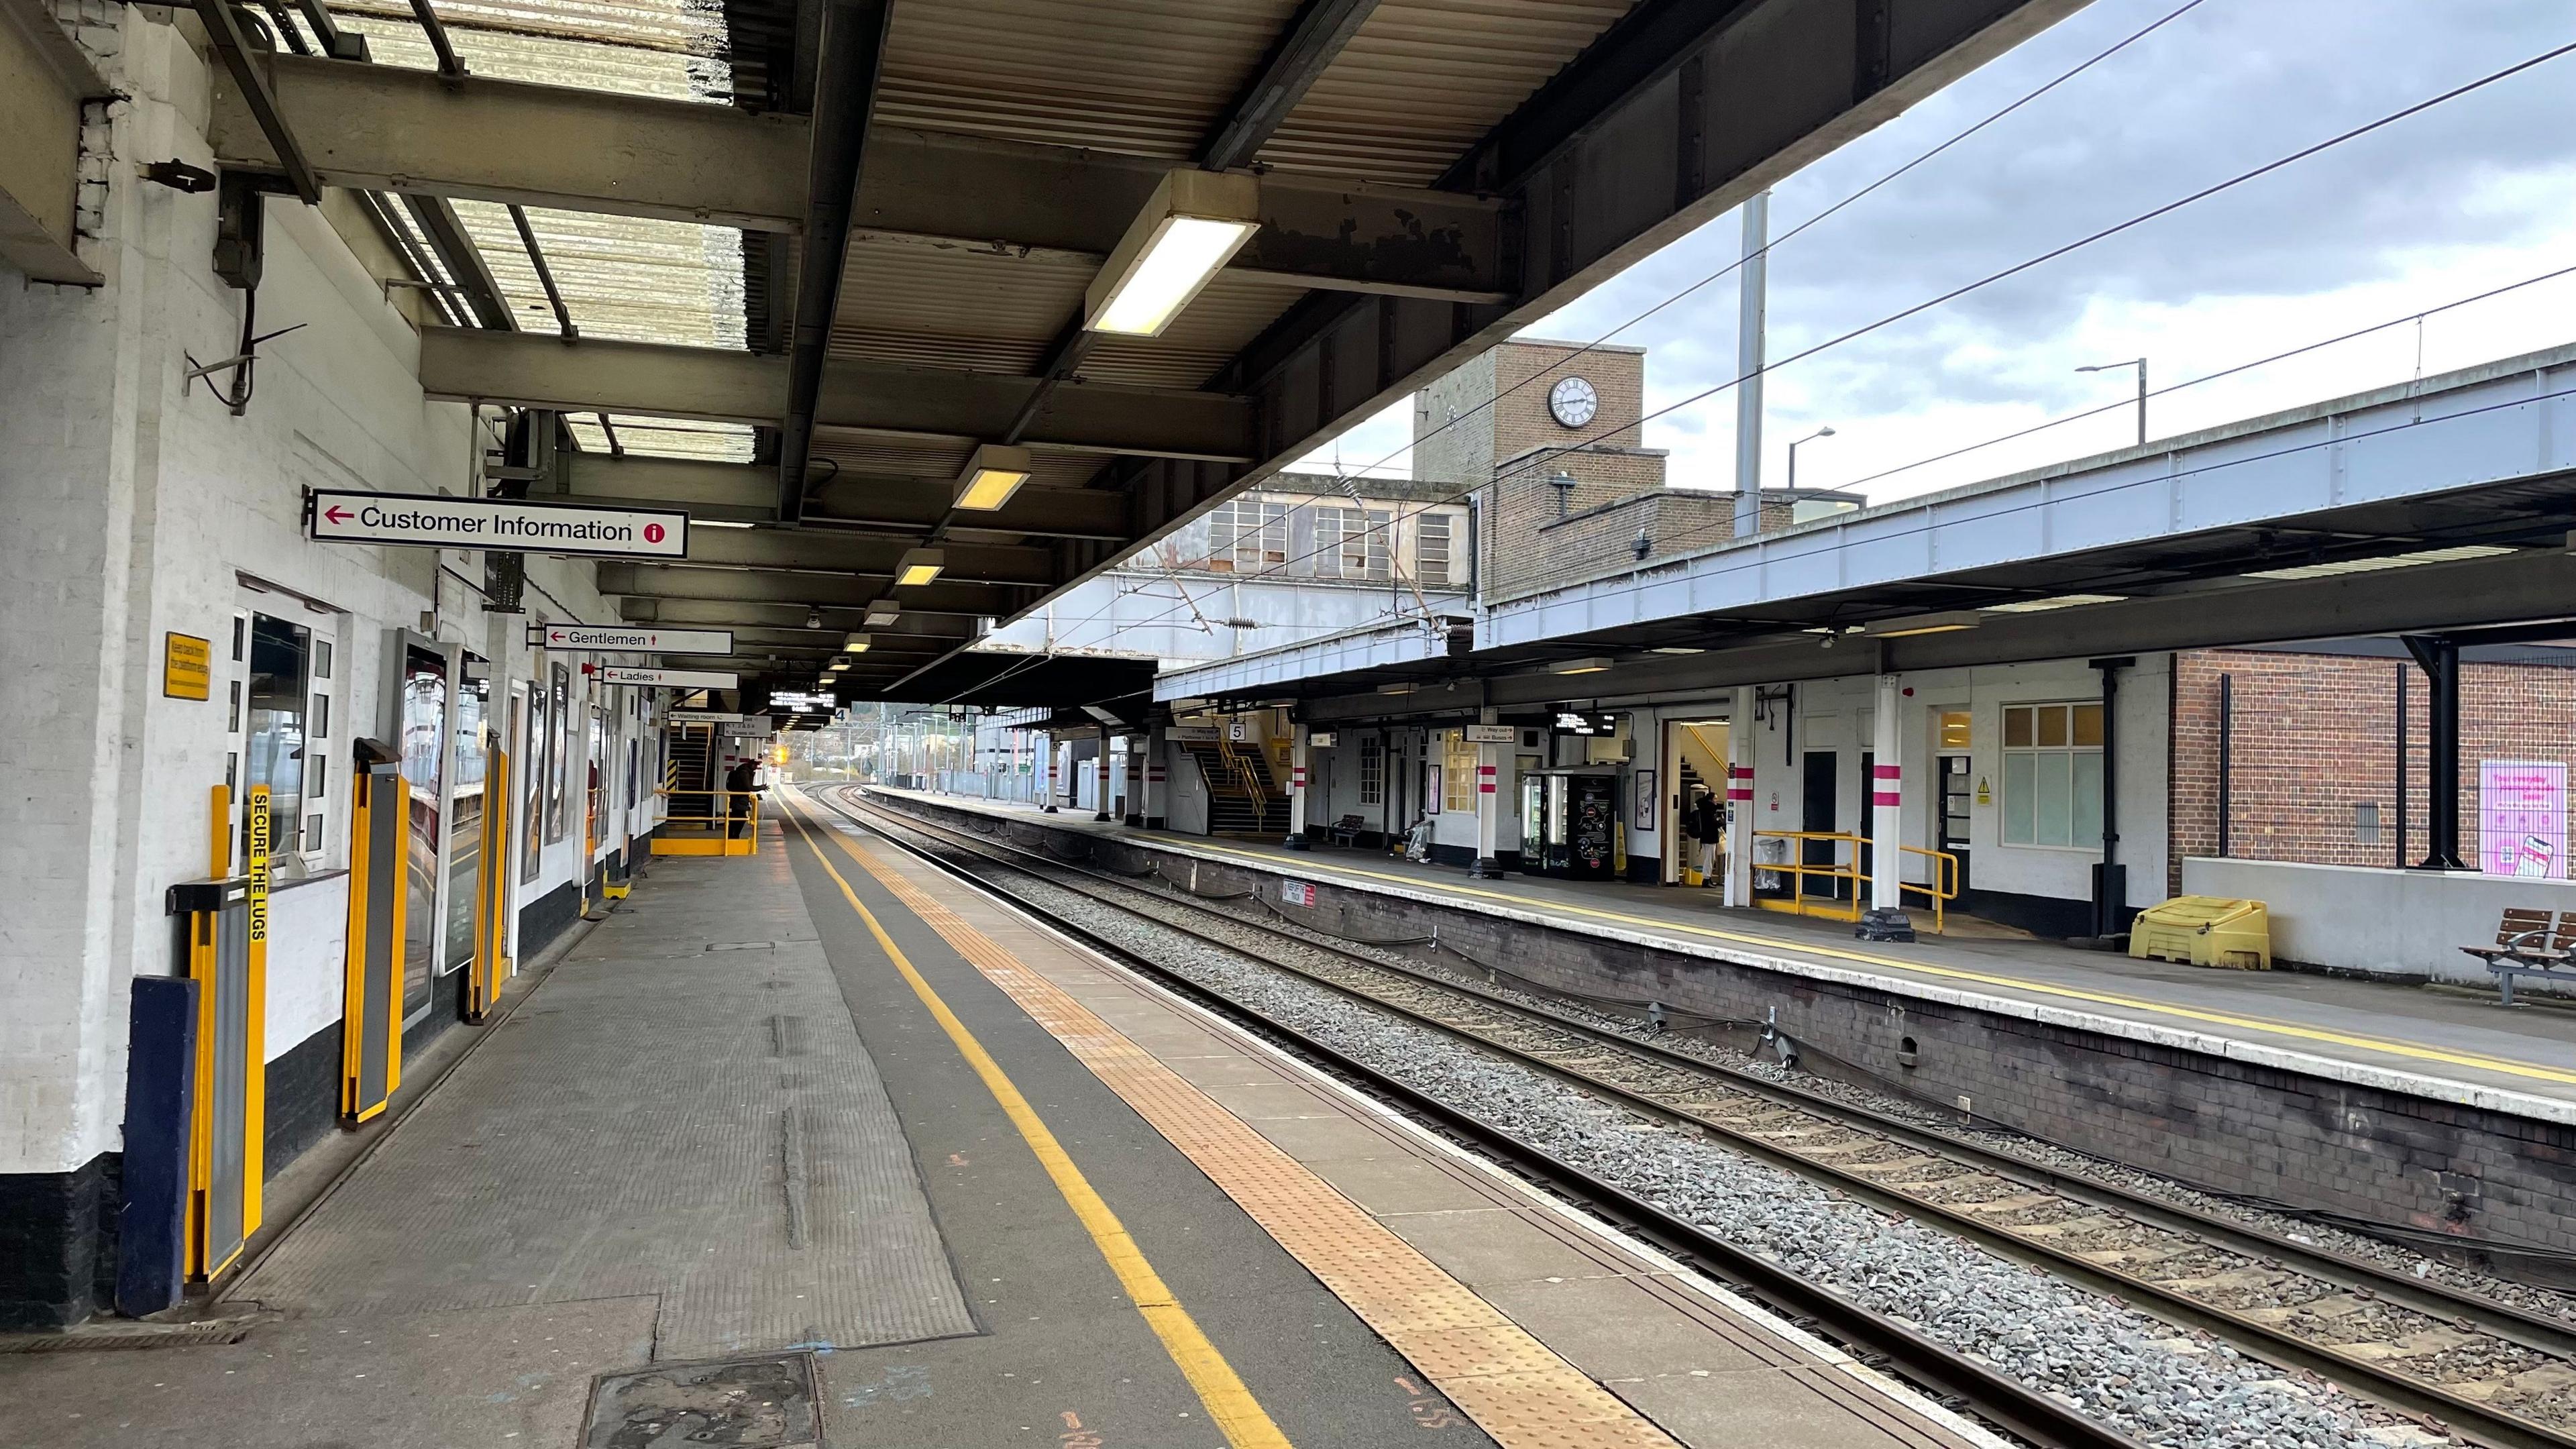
(1549, 432)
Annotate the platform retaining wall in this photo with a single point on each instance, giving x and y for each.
(2232, 1126)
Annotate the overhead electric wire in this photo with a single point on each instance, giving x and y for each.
(1730, 268)
(1991, 278)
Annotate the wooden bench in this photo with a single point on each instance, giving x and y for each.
(1346, 831)
(2527, 944)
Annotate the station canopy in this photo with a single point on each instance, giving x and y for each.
(960, 302)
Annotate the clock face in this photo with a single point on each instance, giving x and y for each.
(1572, 402)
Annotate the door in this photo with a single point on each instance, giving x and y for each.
(1816, 806)
(1958, 792)
(463, 891)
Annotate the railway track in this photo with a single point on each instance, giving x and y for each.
(2463, 1364)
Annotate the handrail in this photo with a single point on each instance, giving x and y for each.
(1832, 904)
(1797, 865)
(1944, 887)
(1241, 773)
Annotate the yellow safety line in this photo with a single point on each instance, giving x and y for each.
(2505, 1065)
(1245, 1424)
(1521, 1392)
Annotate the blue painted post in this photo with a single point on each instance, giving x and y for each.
(160, 1107)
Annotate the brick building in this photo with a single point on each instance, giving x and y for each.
(1551, 433)
(2312, 770)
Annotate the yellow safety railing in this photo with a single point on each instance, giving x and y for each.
(708, 822)
(1841, 874)
(1249, 776)
(1944, 887)
(1840, 897)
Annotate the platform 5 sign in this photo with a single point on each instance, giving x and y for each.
(428, 520)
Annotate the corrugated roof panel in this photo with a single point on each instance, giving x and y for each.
(955, 306)
(1142, 77)
(1426, 79)
(1217, 324)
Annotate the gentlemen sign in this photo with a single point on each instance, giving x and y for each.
(675, 678)
(612, 639)
(415, 520)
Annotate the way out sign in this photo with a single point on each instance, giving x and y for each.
(672, 678)
(415, 520)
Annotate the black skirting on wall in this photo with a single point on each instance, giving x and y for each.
(303, 1097)
(58, 1244)
(545, 918)
(2053, 916)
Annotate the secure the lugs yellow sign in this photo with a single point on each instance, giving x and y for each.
(255, 861)
(186, 666)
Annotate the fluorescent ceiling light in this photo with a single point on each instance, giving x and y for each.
(840, 664)
(1395, 689)
(882, 613)
(991, 476)
(1675, 649)
(1579, 666)
(2374, 565)
(1191, 226)
(2061, 601)
(919, 566)
(719, 523)
(856, 644)
(1908, 627)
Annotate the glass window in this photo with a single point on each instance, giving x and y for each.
(558, 756)
(321, 658)
(1431, 542)
(273, 744)
(2053, 775)
(1954, 729)
(532, 783)
(1330, 523)
(1372, 774)
(424, 742)
(472, 729)
(1458, 780)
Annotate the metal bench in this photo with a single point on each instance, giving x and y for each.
(2527, 944)
(1346, 831)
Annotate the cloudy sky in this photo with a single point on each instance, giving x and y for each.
(2476, 194)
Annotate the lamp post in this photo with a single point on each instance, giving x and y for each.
(2140, 364)
(1823, 432)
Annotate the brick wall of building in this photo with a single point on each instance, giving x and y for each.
(1602, 538)
(2315, 736)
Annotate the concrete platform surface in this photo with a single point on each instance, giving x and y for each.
(2432, 1042)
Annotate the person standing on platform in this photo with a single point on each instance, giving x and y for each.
(1706, 824)
(739, 788)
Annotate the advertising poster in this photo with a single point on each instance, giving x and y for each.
(2522, 818)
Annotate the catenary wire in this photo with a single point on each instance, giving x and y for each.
(1991, 278)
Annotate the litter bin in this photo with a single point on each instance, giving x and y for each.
(2205, 931)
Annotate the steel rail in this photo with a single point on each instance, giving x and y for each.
(2513, 1325)
(2039, 1418)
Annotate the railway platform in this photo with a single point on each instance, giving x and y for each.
(2442, 1043)
(816, 1146)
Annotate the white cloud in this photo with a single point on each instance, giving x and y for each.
(2475, 194)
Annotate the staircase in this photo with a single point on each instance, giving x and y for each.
(1241, 798)
(692, 769)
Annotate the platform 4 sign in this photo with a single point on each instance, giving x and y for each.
(669, 678)
(613, 639)
(417, 520)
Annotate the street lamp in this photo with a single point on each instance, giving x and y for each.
(2140, 364)
(1823, 432)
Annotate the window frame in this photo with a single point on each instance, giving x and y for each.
(325, 662)
(1372, 781)
(2022, 769)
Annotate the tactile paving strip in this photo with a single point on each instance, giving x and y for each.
(1515, 1388)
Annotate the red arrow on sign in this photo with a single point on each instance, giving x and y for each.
(336, 513)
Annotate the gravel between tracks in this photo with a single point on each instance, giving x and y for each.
(2163, 1384)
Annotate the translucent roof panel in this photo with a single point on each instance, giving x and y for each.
(630, 279)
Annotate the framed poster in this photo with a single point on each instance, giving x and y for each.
(1645, 799)
(2522, 818)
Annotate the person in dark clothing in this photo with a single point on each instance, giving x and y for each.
(1706, 825)
(738, 792)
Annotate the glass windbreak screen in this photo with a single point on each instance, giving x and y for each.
(424, 735)
(465, 817)
(532, 783)
(280, 653)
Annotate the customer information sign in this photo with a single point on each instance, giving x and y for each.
(418, 520)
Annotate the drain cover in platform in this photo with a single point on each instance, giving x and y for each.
(754, 1403)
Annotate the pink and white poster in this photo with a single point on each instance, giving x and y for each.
(2522, 818)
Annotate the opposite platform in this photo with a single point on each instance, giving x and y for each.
(2434, 1043)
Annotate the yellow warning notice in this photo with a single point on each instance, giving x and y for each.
(256, 861)
(186, 666)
